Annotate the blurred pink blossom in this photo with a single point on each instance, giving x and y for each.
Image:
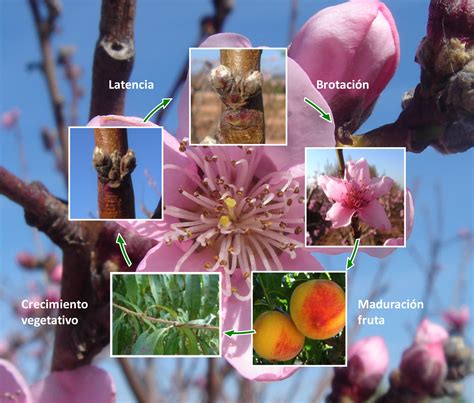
(423, 366)
(457, 319)
(84, 384)
(10, 118)
(367, 363)
(56, 273)
(356, 194)
(356, 40)
(27, 260)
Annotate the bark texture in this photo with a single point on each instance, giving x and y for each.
(242, 118)
(114, 163)
(114, 56)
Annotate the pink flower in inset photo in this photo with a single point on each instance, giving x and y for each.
(357, 194)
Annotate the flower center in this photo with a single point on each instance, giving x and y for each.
(357, 195)
(240, 214)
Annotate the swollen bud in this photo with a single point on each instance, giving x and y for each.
(356, 41)
(367, 364)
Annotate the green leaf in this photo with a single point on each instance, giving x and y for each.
(172, 342)
(117, 326)
(154, 287)
(131, 285)
(193, 348)
(142, 345)
(192, 294)
(172, 312)
(210, 302)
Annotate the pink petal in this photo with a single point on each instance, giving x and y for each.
(163, 258)
(147, 229)
(305, 126)
(429, 333)
(304, 260)
(118, 120)
(358, 171)
(13, 384)
(380, 186)
(84, 384)
(374, 215)
(339, 215)
(334, 188)
(229, 40)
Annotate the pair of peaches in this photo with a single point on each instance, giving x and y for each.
(317, 311)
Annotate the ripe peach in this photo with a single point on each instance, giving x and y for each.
(276, 337)
(318, 309)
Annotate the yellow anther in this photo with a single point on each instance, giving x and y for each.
(230, 203)
(224, 221)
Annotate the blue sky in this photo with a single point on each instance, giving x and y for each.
(147, 145)
(164, 31)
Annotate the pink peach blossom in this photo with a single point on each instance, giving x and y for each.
(13, 386)
(234, 211)
(356, 194)
(356, 40)
(367, 363)
(56, 273)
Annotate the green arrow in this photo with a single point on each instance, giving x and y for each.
(231, 332)
(122, 244)
(163, 104)
(323, 115)
(350, 260)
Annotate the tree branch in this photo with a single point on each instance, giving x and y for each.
(114, 56)
(89, 255)
(172, 323)
(44, 29)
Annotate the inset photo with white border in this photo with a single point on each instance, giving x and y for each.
(238, 96)
(165, 314)
(115, 173)
(355, 196)
(299, 318)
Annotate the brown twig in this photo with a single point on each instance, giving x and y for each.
(44, 28)
(211, 384)
(113, 57)
(133, 380)
(173, 323)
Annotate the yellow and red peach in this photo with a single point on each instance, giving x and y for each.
(276, 337)
(318, 309)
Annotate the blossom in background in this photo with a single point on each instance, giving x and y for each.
(353, 41)
(367, 363)
(457, 319)
(84, 384)
(423, 367)
(356, 194)
(56, 273)
(10, 118)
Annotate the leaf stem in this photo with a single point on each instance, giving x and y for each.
(171, 323)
